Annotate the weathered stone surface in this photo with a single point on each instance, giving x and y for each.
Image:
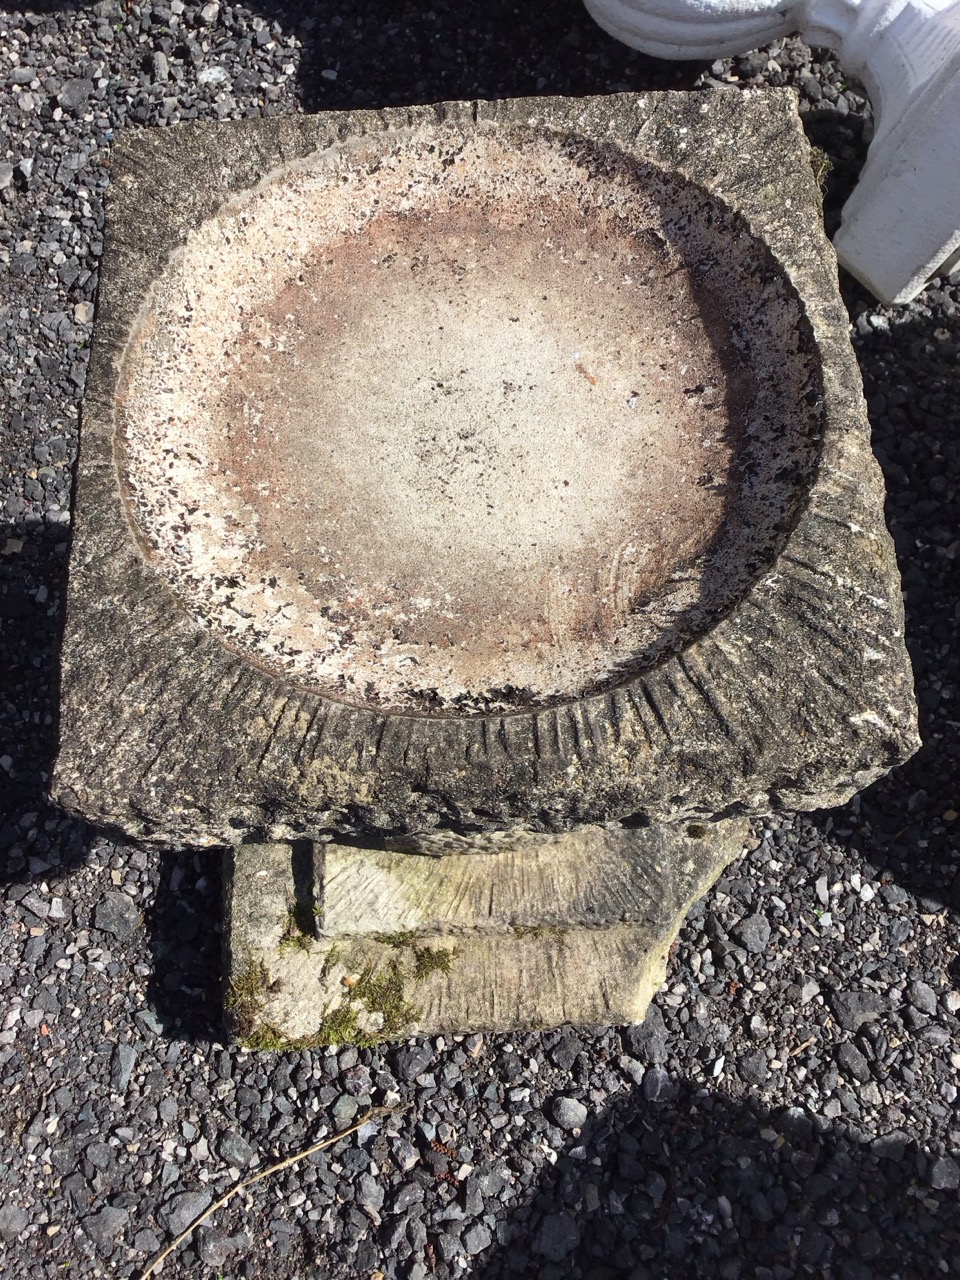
(370, 944)
(592, 877)
(792, 689)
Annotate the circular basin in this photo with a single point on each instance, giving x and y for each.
(459, 425)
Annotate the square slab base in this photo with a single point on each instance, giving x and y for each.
(336, 943)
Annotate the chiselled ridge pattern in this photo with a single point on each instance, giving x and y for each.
(796, 697)
(539, 881)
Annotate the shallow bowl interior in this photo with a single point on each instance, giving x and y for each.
(467, 424)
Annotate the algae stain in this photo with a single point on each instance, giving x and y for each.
(822, 165)
(246, 996)
(402, 938)
(427, 960)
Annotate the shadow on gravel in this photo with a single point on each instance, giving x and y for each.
(908, 823)
(183, 922)
(33, 575)
(694, 1186)
(416, 55)
(558, 49)
(42, 7)
(34, 835)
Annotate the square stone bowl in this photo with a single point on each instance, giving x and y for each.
(474, 467)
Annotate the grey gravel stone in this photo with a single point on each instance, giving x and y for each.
(235, 1149)
(753, 1068)
(413, 1062)
(344, 1109)
(104, 1226)
(124, 1059)
(13, 1220)
(852, 1062)
(754, 933)
(36, 905)
(631, 1067)
(409, 1194)
(405, 1154)
(75, 92)
(117, 915)
(922, 996)
(476, 1239)
(854, 1008)
(869, 1245)
(370, 1192)
(649, 1040)
(656, 1084)
(569, 1113)
(213, 75)
(945, 1174)
(161, 68)
(558, 1236)
(215, 1246)
(178, 1212)
(151, 1022)
(890, 1146)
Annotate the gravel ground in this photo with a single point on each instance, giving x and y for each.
(790, 1106)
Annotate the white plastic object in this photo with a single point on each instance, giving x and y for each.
(902, 222)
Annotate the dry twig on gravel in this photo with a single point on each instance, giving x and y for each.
(373, 1114)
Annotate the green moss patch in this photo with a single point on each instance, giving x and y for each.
(246, 996)
(294, 937)
(380, 990)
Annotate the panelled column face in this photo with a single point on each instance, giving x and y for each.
(479, 466)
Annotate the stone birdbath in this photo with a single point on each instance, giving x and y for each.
(476, 522)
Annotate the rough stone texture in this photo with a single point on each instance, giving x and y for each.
(797, 696)
(574, 928)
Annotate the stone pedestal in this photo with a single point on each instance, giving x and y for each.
(460, 472)
(333, 943)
